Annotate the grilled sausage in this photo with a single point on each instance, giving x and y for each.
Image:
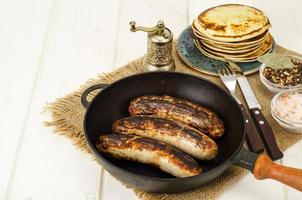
(184, 111)
(145, 150)
(177, 134)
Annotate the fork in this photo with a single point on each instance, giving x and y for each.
(229, 80)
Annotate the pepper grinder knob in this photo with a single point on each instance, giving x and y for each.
(160, 24)
(132, 26)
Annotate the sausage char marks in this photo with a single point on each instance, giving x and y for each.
(179, 135)
(181, 110)
(145, 150)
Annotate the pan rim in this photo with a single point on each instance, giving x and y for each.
(99, 156)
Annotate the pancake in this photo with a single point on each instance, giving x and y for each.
(226, 47)
(255, 40)
(253, 57)
(225, 59)
(238, 45)
(222, 49)
(263, 47)
(196, 43)
(231, 23)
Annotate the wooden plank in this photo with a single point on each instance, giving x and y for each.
(293, 158)
(79, 45)
(195, 7)
(23, 26)
(249, 188)
(113, 189)
(146, 13)
(132, 45)
(285, 17)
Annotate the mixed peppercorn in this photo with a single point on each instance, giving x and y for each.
(286, 76)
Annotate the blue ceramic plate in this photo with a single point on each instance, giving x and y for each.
(195, 59)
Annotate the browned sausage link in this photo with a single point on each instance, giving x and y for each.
(184, 111)
(149, 151)
(179, 135)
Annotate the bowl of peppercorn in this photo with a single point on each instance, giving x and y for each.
(280, 72)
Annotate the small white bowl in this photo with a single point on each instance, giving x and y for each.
(288, 125)
(273, 87)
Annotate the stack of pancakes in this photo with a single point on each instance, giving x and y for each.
(234, 32)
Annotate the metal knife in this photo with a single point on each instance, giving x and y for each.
(251, 137)
(265, 130)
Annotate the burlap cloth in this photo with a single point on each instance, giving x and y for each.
(67, 119)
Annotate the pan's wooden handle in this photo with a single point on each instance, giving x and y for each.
(265, 168)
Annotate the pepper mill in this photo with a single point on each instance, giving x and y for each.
(159, 52)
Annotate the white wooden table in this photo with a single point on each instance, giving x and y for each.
(49, 47)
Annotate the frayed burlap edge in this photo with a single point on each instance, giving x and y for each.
(67, 119)
(67, 111)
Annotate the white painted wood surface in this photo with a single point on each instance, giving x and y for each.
(48, 48)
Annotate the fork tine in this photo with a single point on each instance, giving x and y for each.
(220, 73)
(229, 70)
(225, 71)
(218, 70)
(234, 68)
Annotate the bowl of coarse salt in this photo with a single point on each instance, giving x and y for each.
(286, 109)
